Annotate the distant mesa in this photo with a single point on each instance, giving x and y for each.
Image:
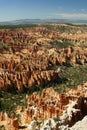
(37, 21)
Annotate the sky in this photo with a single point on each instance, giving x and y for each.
(42, 9)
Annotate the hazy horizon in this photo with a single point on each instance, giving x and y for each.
(42, 9)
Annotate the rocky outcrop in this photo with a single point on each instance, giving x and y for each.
(25, 63)
(26, 79)
(80, 125)
(18, 39)
(10, 123)
(34, 67)
(71, 112)
(28, 62)
(59, 111)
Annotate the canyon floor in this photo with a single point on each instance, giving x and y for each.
(43, 77)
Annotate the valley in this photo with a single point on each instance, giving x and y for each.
(43, 76)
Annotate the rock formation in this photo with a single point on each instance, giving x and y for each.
(29, 60)
(29, 68)
(60, 111)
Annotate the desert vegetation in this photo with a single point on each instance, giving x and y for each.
(41, 67)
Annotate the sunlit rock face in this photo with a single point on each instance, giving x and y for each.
(18, 38)
(53, 101)
(58, 111)
(10, 123)
(34, 67)
(73, 109)
(50, 104)
(28, 61)
(27, 58)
